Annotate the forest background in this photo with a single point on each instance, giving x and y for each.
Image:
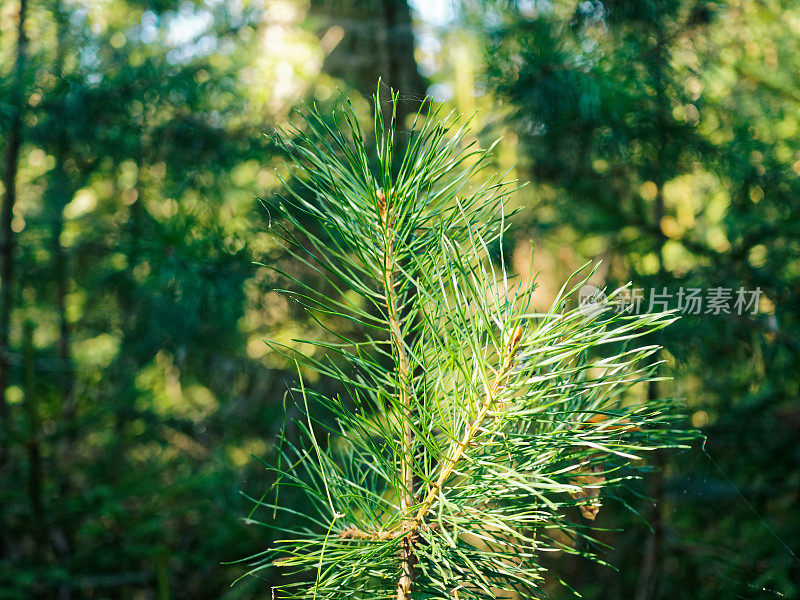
(137, 396)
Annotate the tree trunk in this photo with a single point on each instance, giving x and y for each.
(378, 42)
(60, 194)
(8, 243)
(653, 549)
(35, 474)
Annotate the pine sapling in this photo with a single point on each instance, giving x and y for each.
(472, 433)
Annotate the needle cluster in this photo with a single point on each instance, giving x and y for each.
(472, 433)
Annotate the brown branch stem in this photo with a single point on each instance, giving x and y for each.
(410, 529)
(457, 452)
(403, 366)
(408, 558)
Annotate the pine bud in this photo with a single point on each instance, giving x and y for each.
(382, 206)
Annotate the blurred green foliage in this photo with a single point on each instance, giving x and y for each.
(666, 134)
(659, 135)
(135, 222)
(139, 395)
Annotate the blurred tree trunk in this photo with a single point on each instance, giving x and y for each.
(14, 141)
(35, 475)
(61, 194)
(651, 564)
(378, 41)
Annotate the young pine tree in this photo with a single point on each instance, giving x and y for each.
(472, 433)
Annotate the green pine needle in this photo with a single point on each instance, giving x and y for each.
(469, 427)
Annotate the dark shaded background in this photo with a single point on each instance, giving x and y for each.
(661, 136)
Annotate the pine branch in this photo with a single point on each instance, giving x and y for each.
(504, 421)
